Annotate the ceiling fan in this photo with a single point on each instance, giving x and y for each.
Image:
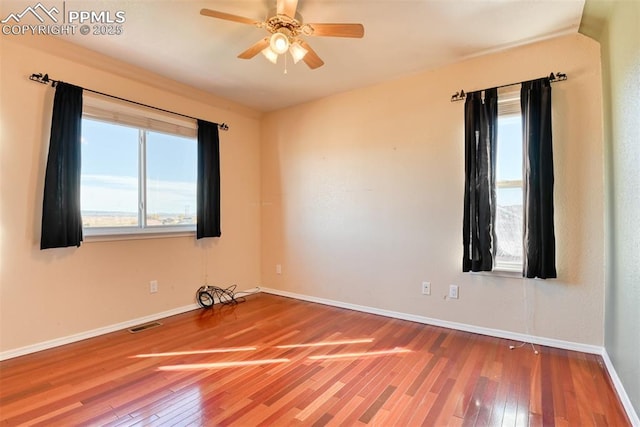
(286, 27)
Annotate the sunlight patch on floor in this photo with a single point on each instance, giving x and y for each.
(327, 343)
(361, 355)
(220, 365)
(190, 352)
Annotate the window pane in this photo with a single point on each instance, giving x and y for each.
(509, 160)
(509, 225)
(109, 177)
(509, 217)
(171, 179)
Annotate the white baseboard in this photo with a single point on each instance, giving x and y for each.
(9, 354)
(514, 336)
(622, 394)
(550, 342)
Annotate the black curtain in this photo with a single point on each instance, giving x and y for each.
(61, 218)
(481, 132)
(208, 180)
(539, 238)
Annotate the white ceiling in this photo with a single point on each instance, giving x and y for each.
(402, 37)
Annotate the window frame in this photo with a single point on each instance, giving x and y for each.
(100, 108)
(509, 106)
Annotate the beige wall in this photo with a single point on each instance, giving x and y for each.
(362, 197)
(620, 39)
(50, 294)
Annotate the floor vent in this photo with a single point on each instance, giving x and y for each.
(144, 327)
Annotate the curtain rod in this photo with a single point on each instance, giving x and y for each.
(45, 79)
(557, 77)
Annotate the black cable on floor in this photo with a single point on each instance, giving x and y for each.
(209, 295)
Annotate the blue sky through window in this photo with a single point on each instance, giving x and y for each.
(509, 161)
(109, 167)
(110, 162)
(171, 175)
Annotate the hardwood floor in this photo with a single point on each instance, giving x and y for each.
(278, 361)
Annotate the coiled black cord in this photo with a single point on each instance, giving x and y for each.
(208, 295)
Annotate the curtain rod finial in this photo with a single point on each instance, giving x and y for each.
(557, 77)
(458, 96)
(38, 77)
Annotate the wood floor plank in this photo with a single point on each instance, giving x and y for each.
(472, 411)
(439, 404)
(319, 401)
(422, 399)
(278, 361)
(365, 388)
(499, 403)
(406, 371)
(372, 411)
(486, 403)
(467, 378)
(277, 411)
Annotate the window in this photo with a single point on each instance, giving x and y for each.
(509, 179)
(138, 171)
(521, 164)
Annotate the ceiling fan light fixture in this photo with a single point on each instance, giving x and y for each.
(297, 51)
(279, 43)
(270, 54)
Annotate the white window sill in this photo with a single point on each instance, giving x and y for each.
(115, 234)
(509, 273)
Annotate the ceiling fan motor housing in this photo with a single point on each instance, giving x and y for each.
(283, 24)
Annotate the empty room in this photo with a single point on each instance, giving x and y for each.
(320, 212)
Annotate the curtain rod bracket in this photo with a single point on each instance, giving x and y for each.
(458, 96)
(557, 77)
(44, 79)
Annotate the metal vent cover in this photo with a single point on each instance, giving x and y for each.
(144, 327)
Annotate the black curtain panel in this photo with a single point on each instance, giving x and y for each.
(208, 180)
(539, 237)
(61, 218)
(481, 132)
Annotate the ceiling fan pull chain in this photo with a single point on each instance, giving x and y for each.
(285, 62)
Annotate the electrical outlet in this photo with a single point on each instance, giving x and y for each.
(153, 286)
(278, 269)
(426, 288)
(453, 291)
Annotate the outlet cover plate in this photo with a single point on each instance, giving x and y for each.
(453, 291)
(426, 288)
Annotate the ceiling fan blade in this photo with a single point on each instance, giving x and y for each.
(287, 7)
(255, 49)
(228, 16)
(312, 59)
(337, 30)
